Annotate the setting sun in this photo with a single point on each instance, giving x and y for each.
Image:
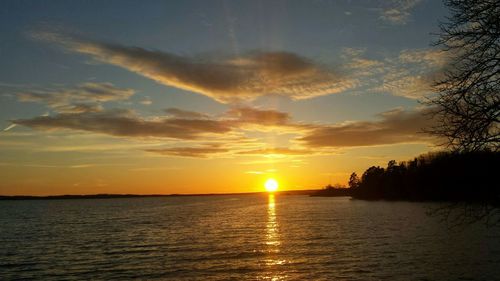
(271, 185)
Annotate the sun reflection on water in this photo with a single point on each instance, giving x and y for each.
(272, 237)
(273, 242)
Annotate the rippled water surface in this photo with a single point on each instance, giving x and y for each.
(240, 238)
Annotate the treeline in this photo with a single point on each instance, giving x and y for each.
(442, 176)
(332, 191)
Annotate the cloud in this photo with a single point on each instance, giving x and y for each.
(127, 123)
(429, 57)
(202, 131)
(146, 101)
(277, 151)
(180, 113)
(196, 152)
(264, 117)
(234, 79)
(226, 80)
(263, 120)
(11, 126)
(398, 11)
(396, 126)
(181, 124)
(268, 171)
(413, 72)
(86, 97)
(410, 73)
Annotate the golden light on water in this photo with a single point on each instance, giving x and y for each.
(273, 260)
(271, 185)
(272, 237)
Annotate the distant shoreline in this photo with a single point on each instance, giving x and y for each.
(112, 196)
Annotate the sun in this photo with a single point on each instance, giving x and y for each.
(271, 185)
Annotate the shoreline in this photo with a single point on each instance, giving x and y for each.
(114, 196)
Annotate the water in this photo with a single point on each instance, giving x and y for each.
(239, 238)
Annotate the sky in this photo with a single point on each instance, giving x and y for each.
(164, 97)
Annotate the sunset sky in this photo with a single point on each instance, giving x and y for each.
(210, 96)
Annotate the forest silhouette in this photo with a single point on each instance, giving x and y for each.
(441, 176)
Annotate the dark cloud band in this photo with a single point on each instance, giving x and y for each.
(224, 79)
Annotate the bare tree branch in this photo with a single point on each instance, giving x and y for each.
(468, 102)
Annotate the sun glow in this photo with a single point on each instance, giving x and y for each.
(271, 185)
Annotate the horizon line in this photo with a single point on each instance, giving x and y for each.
(129, 195)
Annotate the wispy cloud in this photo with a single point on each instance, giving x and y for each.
(413, 72)
(204, 133)
(146, 101)
(226, 80)
(127, 123)
(196, 152)
(398, 11)
(181, 113)
(181, 124)
(277, 151)
(86, 97)
(35, 165)
(9, 127)
(268, 171)
(264, 117)
(395, 126)
(409, 73)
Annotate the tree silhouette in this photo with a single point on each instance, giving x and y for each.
(465, 180)
(353, 180)
(468, 104)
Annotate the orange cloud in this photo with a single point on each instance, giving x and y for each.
(265, 117)
(277, 151)
(395, 126)
(196, 152)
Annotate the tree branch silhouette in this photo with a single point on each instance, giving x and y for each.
(468, 102)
